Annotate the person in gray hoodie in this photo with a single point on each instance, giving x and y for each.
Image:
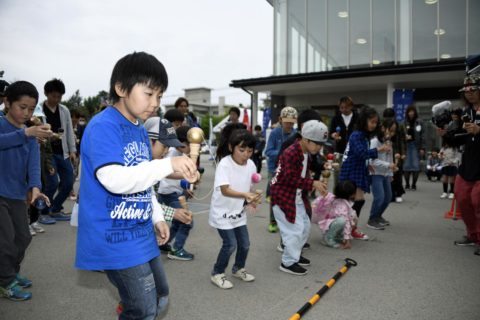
(381, 171)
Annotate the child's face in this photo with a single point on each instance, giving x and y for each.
(177, 124)
(141, 103)
(159, 150)
(346, 108)
(411, 114)
(287, 126)
(53, 98)
(185, 149)
(313, 147)
(372, 124)
(390, 132)
(434, 154)
(183, 107)
(21, 110)
(233, 117)
(241, 154)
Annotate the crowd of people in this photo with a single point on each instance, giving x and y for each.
(136, 175)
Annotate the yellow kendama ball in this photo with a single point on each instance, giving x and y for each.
(195, 135)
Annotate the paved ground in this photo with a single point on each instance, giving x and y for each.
(412, 270)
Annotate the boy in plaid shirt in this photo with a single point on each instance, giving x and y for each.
(289, 188)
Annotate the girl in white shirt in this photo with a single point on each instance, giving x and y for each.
(232, 193)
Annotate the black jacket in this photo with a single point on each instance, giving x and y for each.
(337, 121)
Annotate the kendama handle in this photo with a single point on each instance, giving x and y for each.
(183, 202)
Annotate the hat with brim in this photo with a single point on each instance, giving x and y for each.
(471, 83)
(288, 114)
(163, 131)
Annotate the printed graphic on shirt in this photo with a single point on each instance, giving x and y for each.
(131, 213)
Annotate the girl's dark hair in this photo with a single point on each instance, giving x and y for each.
(224, 142)
(386, 124)
(137, 68)
(18, 89)
(307, 115)
(389, 113)
(174, 115)
(54, 85)
(234, 109)
(345, 189)
(364, 115)
(179, 101)
(182, 133)
(411, 108)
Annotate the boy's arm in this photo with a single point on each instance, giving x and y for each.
(72, 146)
(34, 166)
(120, 179)
(13, 139)
(271, 150)
(168, 212)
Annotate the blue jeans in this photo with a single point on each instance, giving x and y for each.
(294, 235)
(236, 238)
(64, 170)
(178, 230)
(143, 289)
(382, 195)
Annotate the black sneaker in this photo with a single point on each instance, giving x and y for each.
(407, 187)
(303, 261)
(306, 246)
(294, 269)
(477, 252)
(383, 221)
(464, 242)
(374, 224)
(414, 188)
(165, 248)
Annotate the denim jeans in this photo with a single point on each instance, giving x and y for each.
(143, 290)
(382, 195)
(178, 230)
(64, 170)
(294, 235)
(236, 238)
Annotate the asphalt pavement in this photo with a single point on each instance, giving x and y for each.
(411, 270)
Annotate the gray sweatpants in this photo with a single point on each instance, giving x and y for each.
(14, 238)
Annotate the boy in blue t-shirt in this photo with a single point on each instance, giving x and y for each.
(118, 212)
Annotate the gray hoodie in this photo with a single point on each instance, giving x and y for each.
(381, 165)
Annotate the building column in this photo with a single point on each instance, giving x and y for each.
(390, 90)
(254, 120)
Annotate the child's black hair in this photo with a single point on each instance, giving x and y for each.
(234, 109)
(364, 115)
(387, 123)
(54, 85)
(307, 115)
(257, 128)
(388, 113)
(174, 115)
(435, 149)
(137, 68)
(227, 132)
(182, 133)
(18, 89)
(345, 189)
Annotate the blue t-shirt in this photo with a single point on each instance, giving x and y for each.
(115, 231)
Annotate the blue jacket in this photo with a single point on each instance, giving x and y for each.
(357, 153)
(19, 162)
(274, 143)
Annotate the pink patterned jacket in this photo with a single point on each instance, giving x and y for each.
(327, 209)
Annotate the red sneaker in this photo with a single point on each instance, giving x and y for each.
(357, 234)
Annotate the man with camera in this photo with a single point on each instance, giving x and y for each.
(467, 184)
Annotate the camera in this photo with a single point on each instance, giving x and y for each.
(466, 118)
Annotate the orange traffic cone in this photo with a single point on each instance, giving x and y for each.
(453, 213)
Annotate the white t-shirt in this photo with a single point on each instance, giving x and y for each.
(168, 186)
(227, 212)
(347, 119)
(298, 198)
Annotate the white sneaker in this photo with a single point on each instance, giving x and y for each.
(444, 195)
(242, 274)
(37, 227)
(450, 196)
(32, 232)
(398, 199)
(220, 280)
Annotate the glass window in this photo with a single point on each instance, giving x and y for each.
(424, 24)
(337, 57)
(297, 36)
(383, 42)
(473, 27)
(317, 34)
(360, 33)
(452, 20)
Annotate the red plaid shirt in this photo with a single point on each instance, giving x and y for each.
(287, 179)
